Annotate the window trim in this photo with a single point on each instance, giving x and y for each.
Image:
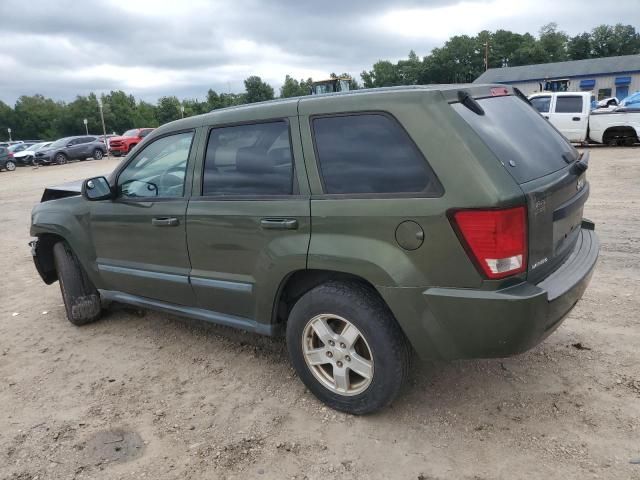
(438, 193)
(295, 189)
(123, 199)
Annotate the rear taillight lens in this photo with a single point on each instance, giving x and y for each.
(10, 154)
(495, 239)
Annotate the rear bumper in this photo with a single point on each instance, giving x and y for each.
(454, 323)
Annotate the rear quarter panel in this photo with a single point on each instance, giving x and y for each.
(357, 235)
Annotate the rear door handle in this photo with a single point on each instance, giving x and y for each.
(576, 119)
(165, 222)
(279, 223)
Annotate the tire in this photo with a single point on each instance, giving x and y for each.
(81, 299)
(34, 162)
(98, 154)
(379, 340)
(10, 165)
(60, 158)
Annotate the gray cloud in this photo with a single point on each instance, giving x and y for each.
(153, 48)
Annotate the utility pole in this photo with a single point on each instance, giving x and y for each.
(86, 128)
(104, 130)
(9, 130)
(486, 55)
(181, 111)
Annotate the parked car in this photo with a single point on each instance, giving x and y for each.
(28, 155)
(129, 139)
(72, 148)
(20, 147)
(364, 225)
(6, 160)
(571, 113)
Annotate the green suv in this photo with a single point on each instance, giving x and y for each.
(446, 220)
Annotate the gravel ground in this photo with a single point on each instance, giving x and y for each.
(156, 396)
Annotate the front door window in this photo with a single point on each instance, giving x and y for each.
(159, 170)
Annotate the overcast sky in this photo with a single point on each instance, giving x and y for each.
(61, 48)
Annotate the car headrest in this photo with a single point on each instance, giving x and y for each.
(253, 160)
(280, 156)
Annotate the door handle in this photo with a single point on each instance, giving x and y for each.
(279, 223)
(165, 222)
(576, 119)
(546, 116)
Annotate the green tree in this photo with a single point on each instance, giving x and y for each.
(294, 88)
(383, 74)
(145, 115)
(168, 110)
(553, 42)
(579, 47)
(257, 90)
(73, 114)
(6, 120)
(119, 111)
(37, 117)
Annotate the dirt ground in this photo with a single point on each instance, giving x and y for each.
(161, 397)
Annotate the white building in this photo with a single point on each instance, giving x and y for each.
(605, 77)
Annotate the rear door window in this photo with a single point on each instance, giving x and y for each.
(526, 144)
(566, 104)
(370, 154)
(253, 159)
(542, 104)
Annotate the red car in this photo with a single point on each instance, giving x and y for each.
(129, 139)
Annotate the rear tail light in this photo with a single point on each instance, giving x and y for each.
(10, 154)
(495, 239)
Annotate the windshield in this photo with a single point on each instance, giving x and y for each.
(526, 144)
(33, 147)
(40, 146)
(130, 133)
(61, 143)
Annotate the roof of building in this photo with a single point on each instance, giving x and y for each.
(574, 68)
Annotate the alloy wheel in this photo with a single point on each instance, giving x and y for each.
(337, 354)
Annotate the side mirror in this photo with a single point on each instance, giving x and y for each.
(97, 188)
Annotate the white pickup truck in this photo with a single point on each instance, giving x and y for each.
(571, 113)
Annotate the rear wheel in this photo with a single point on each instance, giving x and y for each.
(81, 299)
(10, 165)
(97, 154)
(61, 158)
(347, 348)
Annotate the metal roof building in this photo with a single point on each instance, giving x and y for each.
(606, 77)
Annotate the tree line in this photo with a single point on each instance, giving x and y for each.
(460, 59)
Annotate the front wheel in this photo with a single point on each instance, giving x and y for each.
(347, 348)
(81, 299)
(97, 154)
(61, 159)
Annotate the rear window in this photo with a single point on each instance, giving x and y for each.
(568, 104)
(526, 144)
(370, 154)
